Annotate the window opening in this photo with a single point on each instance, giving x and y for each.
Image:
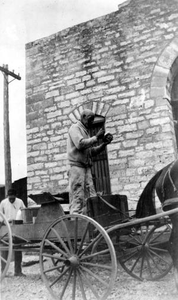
(174, 102)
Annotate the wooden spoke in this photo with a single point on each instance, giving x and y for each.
(130, 256)
(3, 259)
(59, 277)
(90, 285)
(94, 275)
(149, 267)
(60, 240)
(51, 269)
(75, 235)
(67, 236)
(66, 283)
(96, 265)
(135, 263)
(79, 260)
(160, 257)
(141, 267)
(95, 240)
(55, 247)
(53, 256)
(81, 285)
(135, 238)
(74, 285)
(154, 262)
(158, 249)
(94, 254)
(158, 235)
(83, 237)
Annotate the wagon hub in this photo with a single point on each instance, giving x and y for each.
(146, 246)
(73, 261)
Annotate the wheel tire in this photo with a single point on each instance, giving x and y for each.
(85, 275)
(143, 251)
(5, 244)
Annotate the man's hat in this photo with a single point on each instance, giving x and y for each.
(11, 192)
(87, 112)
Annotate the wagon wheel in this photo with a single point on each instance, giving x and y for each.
(5, 245)
(144, 251)
(85, 275)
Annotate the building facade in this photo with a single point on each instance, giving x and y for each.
(123, 66)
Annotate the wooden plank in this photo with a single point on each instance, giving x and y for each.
(35, 232)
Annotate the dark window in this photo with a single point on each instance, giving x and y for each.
(174, 102)
(100, 168)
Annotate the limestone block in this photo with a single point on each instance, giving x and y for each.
(161, 121)
(56, 177)
(33, 153)
(106, 78)
(35, 166)
(143, 125)
(72, 95)
(40, 146)
(154, 145)
(52, 94)
(34, 179)
(90, 83)
(130, 144)
(125, 153)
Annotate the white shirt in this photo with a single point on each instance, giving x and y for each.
(10, 209)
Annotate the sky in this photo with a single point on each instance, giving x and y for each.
(23, 21)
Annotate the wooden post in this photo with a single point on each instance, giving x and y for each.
(7, 150)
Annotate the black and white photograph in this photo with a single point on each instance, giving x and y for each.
(89, 150)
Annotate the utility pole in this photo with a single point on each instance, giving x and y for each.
(7, 149)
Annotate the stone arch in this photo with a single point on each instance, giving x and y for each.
(163, 76)
(98, 107)
(163, 72)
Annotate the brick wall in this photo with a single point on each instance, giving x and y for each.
(119, 65)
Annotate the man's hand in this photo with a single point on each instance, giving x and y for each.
(100, 133)
(107, 138)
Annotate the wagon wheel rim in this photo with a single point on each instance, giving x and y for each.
(70, 241)
(143, 256)
(5, 244)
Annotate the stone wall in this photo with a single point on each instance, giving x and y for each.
(119, 65)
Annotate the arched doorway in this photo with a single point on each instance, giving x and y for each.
(164, 90)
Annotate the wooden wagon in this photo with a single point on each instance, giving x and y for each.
(79, 254)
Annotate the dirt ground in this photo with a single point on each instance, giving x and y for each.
(32, 287)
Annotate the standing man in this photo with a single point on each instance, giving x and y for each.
(9, 207)
(80, 151)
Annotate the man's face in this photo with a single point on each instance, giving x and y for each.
(11, 198)
(88, 121)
